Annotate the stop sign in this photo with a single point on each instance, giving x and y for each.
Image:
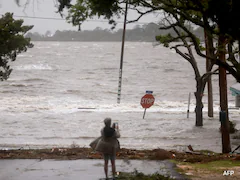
(147, 101)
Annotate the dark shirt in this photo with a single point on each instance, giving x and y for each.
(108, 132)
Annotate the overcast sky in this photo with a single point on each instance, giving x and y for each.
(46, 8)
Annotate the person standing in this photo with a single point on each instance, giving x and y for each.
(108, 145)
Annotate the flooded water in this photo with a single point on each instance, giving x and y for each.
(59, 93)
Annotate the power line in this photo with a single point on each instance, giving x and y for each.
(61, 19)
(34, 17)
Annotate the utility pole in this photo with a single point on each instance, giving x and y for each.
(226, 146)
(122, 53)
(209, 83)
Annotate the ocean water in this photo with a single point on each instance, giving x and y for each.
(60, 92)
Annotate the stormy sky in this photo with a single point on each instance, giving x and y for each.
(47, 9)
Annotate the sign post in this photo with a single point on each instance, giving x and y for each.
(189, 98)
(147, 101)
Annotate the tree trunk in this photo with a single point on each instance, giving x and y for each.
(239, 51)
(226, 146)
(209, 52)
(198, 109)
(210, 97)
(199, 104)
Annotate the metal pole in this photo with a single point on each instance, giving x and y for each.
(144, 113)
(189, 98)
(122, 52)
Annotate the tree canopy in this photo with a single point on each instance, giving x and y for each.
(220, 12)
(226, 15)
(12, 42)
(214, 16)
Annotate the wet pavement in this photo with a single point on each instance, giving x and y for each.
(78, 169)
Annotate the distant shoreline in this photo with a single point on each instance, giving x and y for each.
(87, 41)
(146, 33)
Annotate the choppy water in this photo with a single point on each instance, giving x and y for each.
(42, 104)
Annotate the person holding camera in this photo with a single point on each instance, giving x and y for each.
(108, 145)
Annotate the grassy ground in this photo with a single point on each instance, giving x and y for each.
(210, 170)
(195, 171)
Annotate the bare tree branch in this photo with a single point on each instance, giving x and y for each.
(208, 74)
(141, 14)
(181, 54)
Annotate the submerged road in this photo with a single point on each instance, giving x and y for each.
(79, 169)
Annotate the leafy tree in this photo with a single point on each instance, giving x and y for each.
(185, 41)
(225, 14)
(12, 42)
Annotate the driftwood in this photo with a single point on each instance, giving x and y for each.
(192, 151)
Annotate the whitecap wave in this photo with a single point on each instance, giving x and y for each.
(34, 67)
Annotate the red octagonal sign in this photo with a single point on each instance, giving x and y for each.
(147, 101)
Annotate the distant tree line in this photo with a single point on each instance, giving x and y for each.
(145, 33)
